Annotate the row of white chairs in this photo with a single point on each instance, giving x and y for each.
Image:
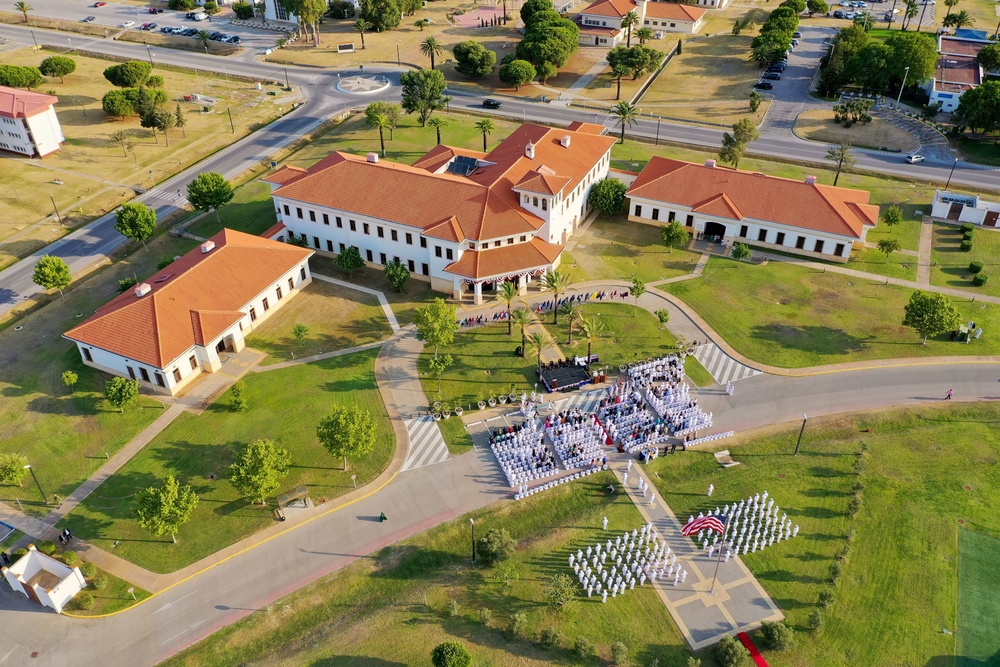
(561, 480)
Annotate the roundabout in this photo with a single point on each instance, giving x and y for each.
(362, 85)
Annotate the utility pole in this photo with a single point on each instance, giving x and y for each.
(56, 209)
(801, 431)
(35, 477)
(231, 126)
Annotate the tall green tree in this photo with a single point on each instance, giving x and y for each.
(644, 35)
(258, 470)
(638, 289)
(739, 252)
(129, 74)
(625, 115)
(382, 14)
(888, 246)
(573, 312)
(437, 124)
(485, 127)
(59, 66)
(431, 47)
(179, 120)
(989, 57)
(20, 76)
(979, 108)
(516, 73)
(918, 51)
(121, 393)
(607, 196)
(423, 93)
(930, 314)
(389, 110)
(349, 260)
(348, 432)
(842, 157)
(52, 273)
(12, 468)
(618, 72)
(892, 217)
(536, 342)
(209, 191)
(397, 274)
(960, 19)
(556, 282)
(451, 654)
(438, 365)
(164, 510)
(437, 323)
(674, 235)
(507, 293)
(521, 317)
(593, 329)
(135, 221)
(361, 25)
(630, 21)
(473, 59)
(24, 8)
(381, 123)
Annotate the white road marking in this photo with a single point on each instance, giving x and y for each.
(171, 604)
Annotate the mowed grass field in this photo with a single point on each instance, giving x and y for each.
(285, 405)
(950, 264)
(96, 175)
(792, 316)
(818, 125)
(978, 599)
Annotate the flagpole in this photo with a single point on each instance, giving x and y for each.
(718, 559)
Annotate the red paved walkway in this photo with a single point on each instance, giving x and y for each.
(758, 659)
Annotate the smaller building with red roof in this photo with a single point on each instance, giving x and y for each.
(28, 123)
(601, 21)
(798, 217)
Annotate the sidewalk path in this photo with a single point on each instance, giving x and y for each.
(924, 252)
(318, 357)
(391, 316)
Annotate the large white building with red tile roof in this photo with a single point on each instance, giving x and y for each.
(28, 123)
(463, 220)
(601, 21)
(798, 217)
(178, 322)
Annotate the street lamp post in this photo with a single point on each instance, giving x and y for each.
(951, 173)
(150, 55)
(657, 142)
(35, 477)
(801, 431)
(900, 96)
(398, 63)
(472, 522)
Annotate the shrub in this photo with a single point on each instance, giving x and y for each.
(980, 279)
(608, 196)
(966, 245)
(485, 615)
(128, 74)
(155, 81)
(693, 662)
(244, 10)
(182, 5)
(88, 569)
(835, 570)
(854, 506)
(518, 624)
(826, 598)
(164, 263)
(583, 648)
(777, 636)
(619, 654)
(968, 227)
(969, 235)
(211, 7)
(730, 653)
(340, 9)
(815, 622)
(70, 558)
(46, 547)
(125, 283)
(550, 637)
(496, 546)
(100, 581)
(976, 266)
(451, 654)
(84, 600)
(18, 553)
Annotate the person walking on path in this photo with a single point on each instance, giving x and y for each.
(947, 396)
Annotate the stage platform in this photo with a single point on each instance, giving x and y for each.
(565, 378)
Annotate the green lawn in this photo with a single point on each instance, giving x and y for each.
(250, 211)
(978, 599)
(950, 265)
(66, 435)
(615, 248)
(455, 436)
(983, 152)
(393, 608)
(416, 293)
(337, 318)
(872, 260)
(792, 316)
(906, 232)
(899, 580)
(110, 599)
(285, 405)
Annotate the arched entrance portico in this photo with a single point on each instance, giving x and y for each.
(713, 229)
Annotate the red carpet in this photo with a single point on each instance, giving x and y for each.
(754, 653)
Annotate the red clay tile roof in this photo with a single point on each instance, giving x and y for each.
(615, 8)
(284, 174)
(586, 128)
(274, 230)
(743, 195)
(542, 183)
(446, 230)
(673, 11)
(599, 31)
(506, 260)
(192, 300)
(483, 203)
(17, 103)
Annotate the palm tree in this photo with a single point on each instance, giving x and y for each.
(625, 115)
(911, 11)
(522, 318)
(24, 8)
(574, 314)
(630, 21)
(202, 38)
(557, 283)
(507, 294)
(380, 121)
(920, 21)
(361, 25)
(422, 23)
(959, 20)
(485, 126)
(437, 124)
(617, 72)
(430, 47)
(593, 330)
(536, 342)
(643, 34)
(950, 3)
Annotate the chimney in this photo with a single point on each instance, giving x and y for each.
(207, 247)
(372, 157)
(810, 180)
(565, 141)
(529, 151)
(142, 290)
(710, 163)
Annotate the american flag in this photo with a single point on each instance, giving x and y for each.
(716, 523)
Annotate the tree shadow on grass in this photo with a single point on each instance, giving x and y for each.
(786, 576)
(824, 493)
(816, 339)
(354, 661)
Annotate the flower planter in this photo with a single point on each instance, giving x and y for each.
(503, 399)
(459, 411)
(437, 405)
(492, 402)
(512, 397)
(446, 414)
(482, 405)
(437, 416)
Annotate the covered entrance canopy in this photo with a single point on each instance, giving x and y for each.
(715, 229)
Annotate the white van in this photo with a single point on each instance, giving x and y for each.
(200, 16)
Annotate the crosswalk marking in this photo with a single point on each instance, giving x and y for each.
(172, 196)
(586, 401)
(721, 366)
(427, 445)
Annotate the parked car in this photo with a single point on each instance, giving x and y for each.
(127, 24)
(763, 85)
(151, 26)
(232, 39)
(772, 76)
(100, 4)
(914, 158)
(849, 16)
(90, 19)
(777, 67)
(492, 104)
(154, 10)
(838, 14)
(188, 32)
(796, 34)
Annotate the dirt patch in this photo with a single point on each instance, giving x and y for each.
(818, 125)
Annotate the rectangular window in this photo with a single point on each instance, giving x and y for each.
(839, 250)
(86, 354)
(510, 241)
(302, 273)
(638, 210)
(177, 375)
(329, 245)
(450, 255)
(437, 251)
(410, 266)
(312, 216)
(131, 372)
(144, 374)
(800, 242)
(265, 304)
(381, 258)
(393, 234)
(545, 204)
(287, 212)
(780, 239)
(159, 379)
(819, 246)
(326, 219)
(524, 239)
(291, 281)
(368, 254)
(364, 225)
(193, 360)
(354, 226)
(689, 222)
(380, 232)
(743, 231)
(340, 223)
(423, 242)
(656, 214)
(496, 244)
(424, 269)
(316, 242)
(396, 259)
(277, 292)
(343, 247)
(409, 238)
(762, 235)
(298, 212)
(671, 216)
(253, 314)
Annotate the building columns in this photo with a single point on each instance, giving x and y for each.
(477, 293)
